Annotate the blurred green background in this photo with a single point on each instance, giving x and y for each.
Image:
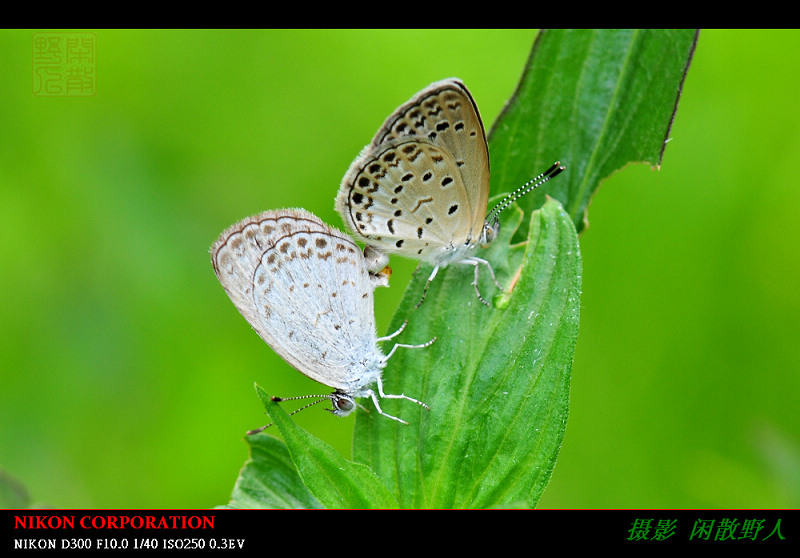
(126, 374)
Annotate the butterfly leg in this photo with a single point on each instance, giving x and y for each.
(423, 345)
(378, 407)
(392, 396)
(491, 270)
(427, 284)
(475, 261)
(395, 334)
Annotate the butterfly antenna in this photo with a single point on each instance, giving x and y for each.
(554, 170)
(279, 399)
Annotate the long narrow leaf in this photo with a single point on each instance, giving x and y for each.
(596, 100)
(496, 380)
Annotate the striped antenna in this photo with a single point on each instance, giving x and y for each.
(279, 399)
(532, 184)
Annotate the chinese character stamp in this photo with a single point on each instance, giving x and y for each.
(64, 64)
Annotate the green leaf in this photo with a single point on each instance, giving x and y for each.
(270, 479)
(496, 380)
(333, 480)
(594, 99)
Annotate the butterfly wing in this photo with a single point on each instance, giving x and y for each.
(431, 148)
(305, 289)
(409, 198)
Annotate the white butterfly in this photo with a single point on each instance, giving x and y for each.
(421, 188)
(305, 288)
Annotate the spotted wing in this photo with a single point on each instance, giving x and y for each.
(409, 198)
(304, 288)
(438, 130)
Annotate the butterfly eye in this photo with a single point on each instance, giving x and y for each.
(342, 404)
